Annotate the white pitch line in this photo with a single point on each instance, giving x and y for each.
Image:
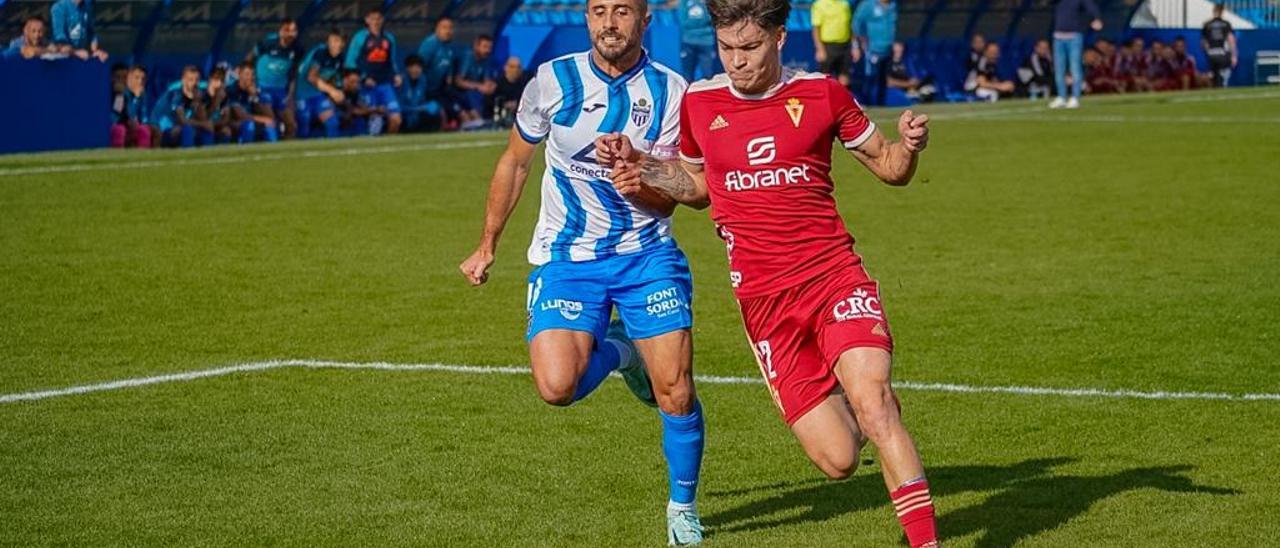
(704, 379)
(1132, 119)
(1226, 97)
(244, 158)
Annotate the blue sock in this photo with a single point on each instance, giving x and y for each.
(682, 440)
(331, 126)
(604, 359)
(247, 129)
(304, 124)
(188, 137)
(273, 134)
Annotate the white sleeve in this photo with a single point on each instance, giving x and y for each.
(533, 117)
(667, 147)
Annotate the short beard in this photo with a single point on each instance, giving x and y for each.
(614, 56)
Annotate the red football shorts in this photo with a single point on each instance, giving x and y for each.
(799, 333)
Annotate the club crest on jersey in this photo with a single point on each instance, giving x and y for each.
(641, 111)
(795, 109)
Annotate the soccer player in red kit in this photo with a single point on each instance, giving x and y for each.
(756, 145)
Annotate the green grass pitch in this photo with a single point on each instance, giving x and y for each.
(1131, 245)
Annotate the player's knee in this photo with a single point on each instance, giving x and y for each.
(556, 392)
(675, 396)
(837, 465)
(876, 411)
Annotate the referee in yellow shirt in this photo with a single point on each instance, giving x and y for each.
(832, 37)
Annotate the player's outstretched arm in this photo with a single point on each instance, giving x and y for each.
(504, 193)
(894, 162)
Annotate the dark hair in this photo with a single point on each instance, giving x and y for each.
(484, 38)
(412, 60)
(219, 73)
(443, 19)
(35, 18)
(349, 72)
(190, 68)
(247, 66)
(139, 68)
(767, 14)
(288, 21)
(1180, 39)
(335, 31)
(373, 10)
(118, 66)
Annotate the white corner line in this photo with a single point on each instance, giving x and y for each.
(511, 370)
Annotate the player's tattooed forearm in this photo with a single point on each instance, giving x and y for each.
(668, 178)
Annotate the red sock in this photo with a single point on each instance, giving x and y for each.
(915, 511)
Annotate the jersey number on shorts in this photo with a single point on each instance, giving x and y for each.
(764, 356)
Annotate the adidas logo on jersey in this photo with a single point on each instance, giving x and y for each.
(719, 123)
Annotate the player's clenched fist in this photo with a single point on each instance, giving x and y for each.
(476, 267)
(612, 147)
(913, 130)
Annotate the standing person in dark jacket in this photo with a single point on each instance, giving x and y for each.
(1069, 22)
(1219, 43)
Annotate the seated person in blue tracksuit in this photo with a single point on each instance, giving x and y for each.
(251, 108)
(421, 112)
(475, 83)
(319, 86)
(276, 59)
(358, 113)
(375, 54)
(217, 106)
(180, 113)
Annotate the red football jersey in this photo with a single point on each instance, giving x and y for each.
(767, 162)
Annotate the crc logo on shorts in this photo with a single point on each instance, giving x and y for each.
(761, 150)
(571, 310)
(661, 304)
(862, 305)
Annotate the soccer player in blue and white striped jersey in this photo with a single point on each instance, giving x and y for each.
(594, 250)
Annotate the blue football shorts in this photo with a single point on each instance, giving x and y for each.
(652, 291)
(384, 95)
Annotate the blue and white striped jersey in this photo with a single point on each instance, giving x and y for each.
(569, 103)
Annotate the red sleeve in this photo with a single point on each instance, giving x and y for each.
(690, 151)
(852, 125)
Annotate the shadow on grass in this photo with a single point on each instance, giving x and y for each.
(1024, 499)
